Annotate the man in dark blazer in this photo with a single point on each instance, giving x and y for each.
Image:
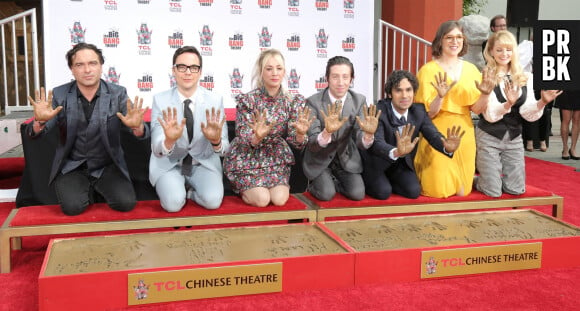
(331, 160)
(90, 115)
(388, 163)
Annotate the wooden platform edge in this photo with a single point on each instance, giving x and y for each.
(556, 201)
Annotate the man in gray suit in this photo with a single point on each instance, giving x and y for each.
(188, 136)
(332, 162)
(90, 115)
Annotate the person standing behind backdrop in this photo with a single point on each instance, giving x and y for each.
(569, 105)
(450, 91)
(188, 136)
(268, 119)
(500, 150)
(497, 23)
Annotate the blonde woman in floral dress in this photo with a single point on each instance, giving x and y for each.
(268, 121)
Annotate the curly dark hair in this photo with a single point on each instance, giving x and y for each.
(396, 77)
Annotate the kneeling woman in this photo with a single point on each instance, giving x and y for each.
(500, 151)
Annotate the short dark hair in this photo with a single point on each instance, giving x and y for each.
(187, 49)
(339, 60)
(445, 28)
(493, 19)
(83, 46)
(395, 78)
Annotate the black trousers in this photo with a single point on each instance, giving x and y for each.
(76, 190)
(397, 178)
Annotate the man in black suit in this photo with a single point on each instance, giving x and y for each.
(388, 163)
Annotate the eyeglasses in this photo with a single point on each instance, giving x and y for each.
(183, 68)
(451, 38)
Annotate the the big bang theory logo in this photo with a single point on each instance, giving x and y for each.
(207, 82)
(236, 42)
(145, 83)
(321, 5)
(111, 38)
(293, 43)
(264, 4)
(175, 40)
(205, 3)
(321, 83)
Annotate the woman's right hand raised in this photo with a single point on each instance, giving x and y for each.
(441, 84)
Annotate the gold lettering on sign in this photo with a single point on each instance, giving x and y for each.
(485, 259)
(165, 286)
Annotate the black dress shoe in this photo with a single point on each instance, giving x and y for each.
(565, 158)
(573, 157)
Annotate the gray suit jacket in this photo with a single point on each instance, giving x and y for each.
(344, 141)
(200, 148)
(112, 99)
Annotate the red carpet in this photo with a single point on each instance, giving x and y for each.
(519, 290)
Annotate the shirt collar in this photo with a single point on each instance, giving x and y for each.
(333, 100)
(182, 98)
(398, 115)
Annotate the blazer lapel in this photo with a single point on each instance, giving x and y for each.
(103, 104)
(72, 118)
(199, 115)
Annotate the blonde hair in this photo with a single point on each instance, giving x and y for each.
(265, 55)
(506, 39)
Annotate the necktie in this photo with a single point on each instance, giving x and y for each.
(186, 167)
(403, 119)
(188, 118)
(337, 103)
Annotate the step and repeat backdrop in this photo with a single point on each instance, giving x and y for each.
(139, 37)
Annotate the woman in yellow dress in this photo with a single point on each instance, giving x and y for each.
(450, 89)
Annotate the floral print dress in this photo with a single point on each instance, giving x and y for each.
(268, 163)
